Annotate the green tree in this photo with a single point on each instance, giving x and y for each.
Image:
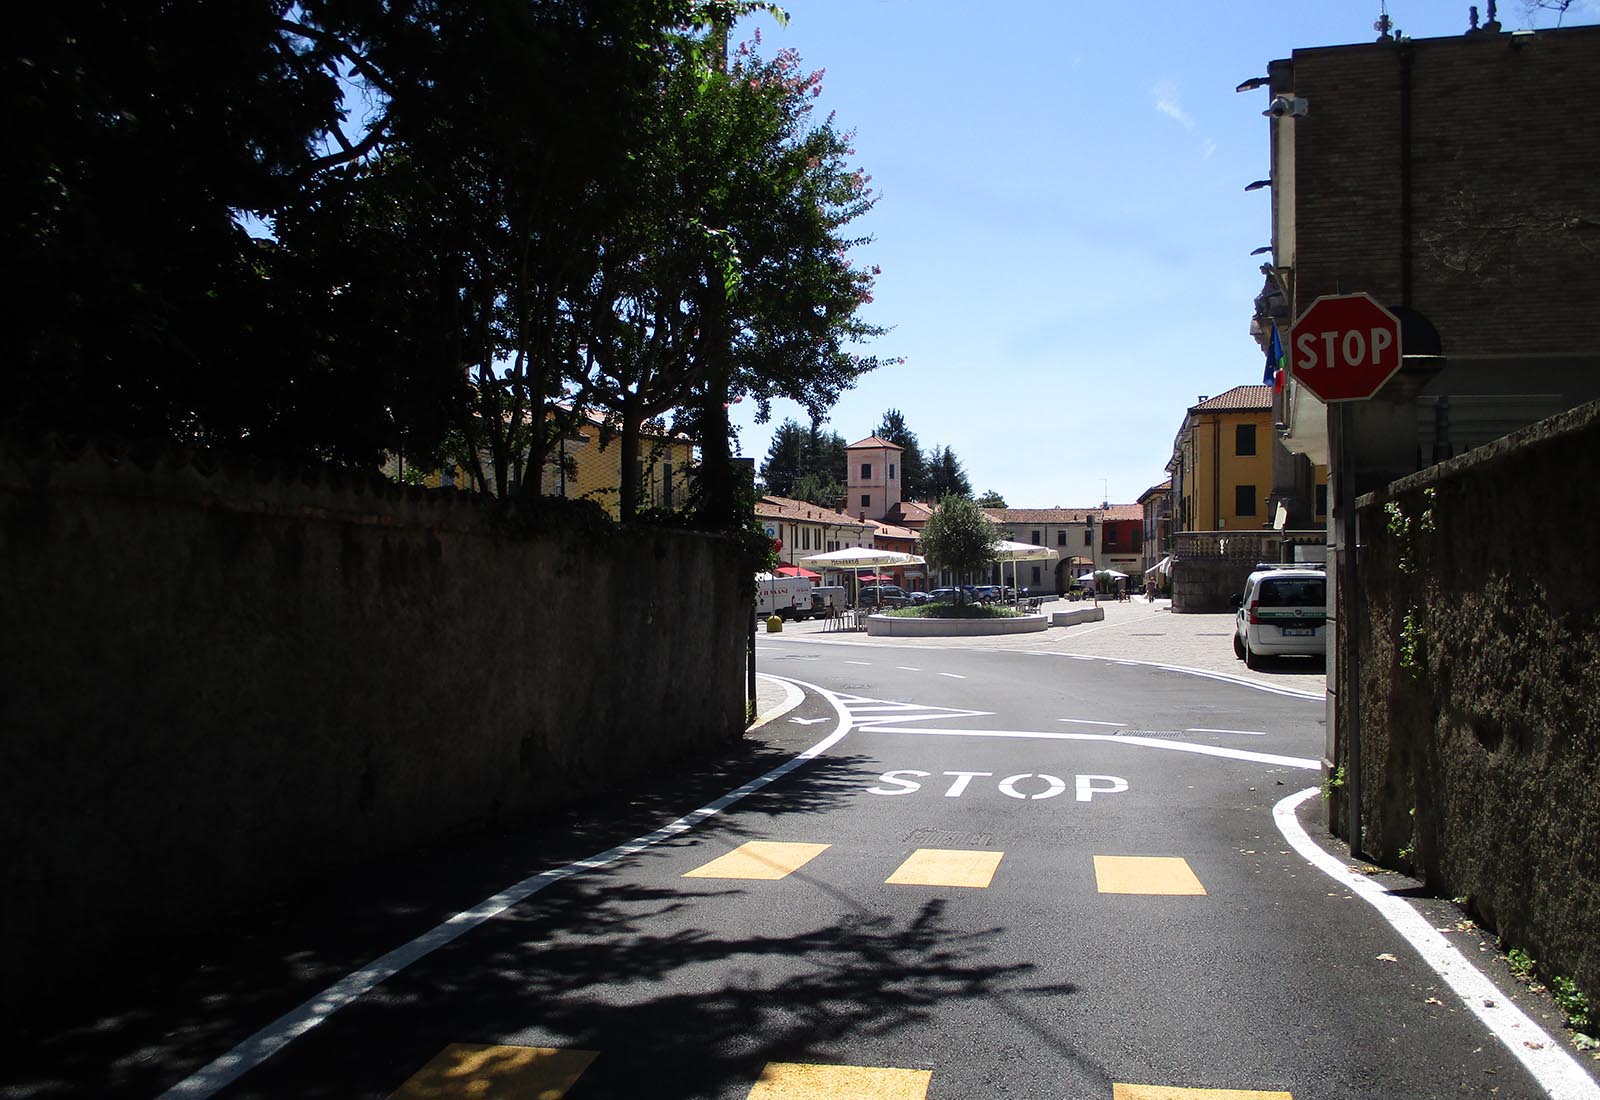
(913, 471)
(797, 454)
(818, 489)
(945, 474)
(990, 499)
(959, 537)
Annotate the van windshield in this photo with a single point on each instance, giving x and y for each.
(1294, 592)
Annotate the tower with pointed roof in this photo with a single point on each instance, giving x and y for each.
(873, 478)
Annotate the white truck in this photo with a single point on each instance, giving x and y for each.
(786, 597)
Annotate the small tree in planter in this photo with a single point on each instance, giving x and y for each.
(959, 537)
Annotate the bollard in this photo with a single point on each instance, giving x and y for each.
(774, 624)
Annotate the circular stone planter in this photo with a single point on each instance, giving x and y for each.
(893, 626)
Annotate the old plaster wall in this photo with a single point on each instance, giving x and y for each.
(1480, 686)
(221, 683)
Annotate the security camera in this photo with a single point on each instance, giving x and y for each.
(1282, 105)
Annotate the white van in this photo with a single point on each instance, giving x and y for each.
(785, 597)
(1282, 612)
(829, 598)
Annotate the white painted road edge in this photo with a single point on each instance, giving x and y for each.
(223, 1071)
(1556, 1071)
(792, 697)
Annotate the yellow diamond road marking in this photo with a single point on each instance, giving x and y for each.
(760, 859)
(947, 867)
(464, 1071)
(1162, 1092)
(1145, 875)
(795, 1081)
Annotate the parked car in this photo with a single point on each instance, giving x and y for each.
(943, 595)
(1282, 612)
(883, 595)
(918, 597)
(988, 593)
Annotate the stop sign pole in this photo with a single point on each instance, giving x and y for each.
(1343, 349)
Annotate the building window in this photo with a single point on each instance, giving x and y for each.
(1244, 500)
(805, 539)
(1088, 537)
(1111, 536)
(1244, 441)
(866, 471)
(891, 471)
(1036, 538)
(1061, 538)
(666, 485)
(1322, 500)
(1036, 574)
(866, 500)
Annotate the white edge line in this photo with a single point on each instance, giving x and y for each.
(1091, 722)
(1243, 733)
(227, 1068)
(792, 697)
(1113, 739)
(1556, 1071)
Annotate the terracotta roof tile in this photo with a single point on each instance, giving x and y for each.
(803, 511)
(875, 441)
(1238, 399)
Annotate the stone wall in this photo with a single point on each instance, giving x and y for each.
(1209, 567)
(220, 683)
(1480, 686)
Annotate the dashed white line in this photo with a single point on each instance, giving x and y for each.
(907, 668)
(1090, 722)
(953, 675)
(868, 663)
(1246, 733)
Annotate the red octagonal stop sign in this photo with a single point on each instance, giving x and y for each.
(1344, 347)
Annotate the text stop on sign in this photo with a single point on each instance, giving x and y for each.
(1345, 347)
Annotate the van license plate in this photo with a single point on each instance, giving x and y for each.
(1298, 632)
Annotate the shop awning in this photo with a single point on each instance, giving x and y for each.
(796, 571)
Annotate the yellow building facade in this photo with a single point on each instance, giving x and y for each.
(1228, 469)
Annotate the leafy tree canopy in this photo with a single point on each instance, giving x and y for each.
(990, 499)
(797, 454)
(959, 537)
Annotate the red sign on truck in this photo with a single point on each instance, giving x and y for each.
(1344, 347)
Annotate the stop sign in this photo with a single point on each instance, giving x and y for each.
(1344, 347)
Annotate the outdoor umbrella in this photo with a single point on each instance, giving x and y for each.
(855, 559)
(1014, 552)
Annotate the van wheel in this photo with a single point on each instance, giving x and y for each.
(1238, 646)
(1250, 659)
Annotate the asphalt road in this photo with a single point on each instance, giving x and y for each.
(945, 873)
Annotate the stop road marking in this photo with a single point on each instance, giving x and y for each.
(1025, 786)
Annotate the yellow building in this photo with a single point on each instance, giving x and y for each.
(1231, 472)
(587, 464)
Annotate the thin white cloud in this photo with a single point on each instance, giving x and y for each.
(1166, 95)
(1207, 148)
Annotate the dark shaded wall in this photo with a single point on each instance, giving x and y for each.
(1209, 568)
(1480, 686)
(220, 685)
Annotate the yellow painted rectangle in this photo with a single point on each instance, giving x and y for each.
(759, 859)
(1163, 1092)
(947, 867)
(1145, 875)
(797, 1081)
(466, 1071)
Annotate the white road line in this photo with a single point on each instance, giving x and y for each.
(953, 675)
(792, 697)
(1246, 733)
(907, 668)
(1556, 1071)
(1090, 722)
(229, 1067)
(866, 663)
(1114, 739)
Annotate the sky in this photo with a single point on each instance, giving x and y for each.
(1062, 224)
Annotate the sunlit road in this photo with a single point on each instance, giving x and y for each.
(1002, 874)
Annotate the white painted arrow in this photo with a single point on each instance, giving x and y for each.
(807, 721)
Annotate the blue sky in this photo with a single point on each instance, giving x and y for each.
(1063, 228)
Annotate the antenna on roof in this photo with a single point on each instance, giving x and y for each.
(1384, 26)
